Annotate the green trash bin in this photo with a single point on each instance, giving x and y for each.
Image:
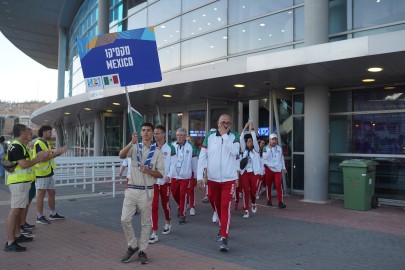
(359, 184)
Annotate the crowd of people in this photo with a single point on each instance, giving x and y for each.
(30, 175)
(227, 165)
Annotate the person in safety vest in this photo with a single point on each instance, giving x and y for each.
(19, 183)
(44, 175)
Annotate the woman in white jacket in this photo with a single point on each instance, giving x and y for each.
(250, 174)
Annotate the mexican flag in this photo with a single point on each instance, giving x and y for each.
(135, 118)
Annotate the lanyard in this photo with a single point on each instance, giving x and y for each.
(182, 151)
(150, 155)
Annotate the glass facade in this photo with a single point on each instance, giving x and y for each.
(357, 18)
(194, 32)
(223, 29)
(366, 124)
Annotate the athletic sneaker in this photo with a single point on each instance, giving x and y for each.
(56, 217)
(166, 228)
(143, 259)
(223, 245)
(29, 226)
(22, 238)
(246, 214)
(182, 220)
(218, 237)
(269, 204)
(254, 208)
(128, 255)
(215, 217)
(205, 200)
(153, 238)
(192, 211)
(281, 205)
(14, 247)
(24, 231)
(43, 220)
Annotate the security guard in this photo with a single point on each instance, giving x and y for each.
(44, 173)
(19, 183)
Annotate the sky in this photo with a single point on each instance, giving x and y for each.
(22, 78)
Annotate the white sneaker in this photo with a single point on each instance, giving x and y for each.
(166, 228)
(257, 197)
(192, 211)
(246, 215)
(153, 238)
(254, 208)
(215, 217)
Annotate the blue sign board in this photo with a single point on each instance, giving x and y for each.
(119, 59)
(263, 131)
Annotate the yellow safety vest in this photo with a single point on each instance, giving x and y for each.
(43, 168)
(21, 175)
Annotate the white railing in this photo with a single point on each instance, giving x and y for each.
(85, 171)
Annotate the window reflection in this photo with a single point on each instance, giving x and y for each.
(138, 20)
(168, 32)
(190, 4)
(134, 6)
(169, 57)
(369, 13)
(298, 24)
(163, 10)
(241, 10)
(204, 19)
(204, 48)
(261, 33)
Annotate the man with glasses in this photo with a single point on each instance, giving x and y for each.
(185, 157)
(218, 154)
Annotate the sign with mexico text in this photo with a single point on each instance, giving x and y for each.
(119, 59)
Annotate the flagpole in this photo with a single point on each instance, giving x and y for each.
(130, 109)
(133, 125)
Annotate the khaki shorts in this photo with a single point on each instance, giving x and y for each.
(45, 183)
(19, 194)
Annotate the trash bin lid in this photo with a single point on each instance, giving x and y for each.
(362, 163)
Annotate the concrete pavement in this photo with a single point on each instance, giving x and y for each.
(302, 236)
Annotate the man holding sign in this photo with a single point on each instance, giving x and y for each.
(146, 166)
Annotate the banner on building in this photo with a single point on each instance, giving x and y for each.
(119, 59)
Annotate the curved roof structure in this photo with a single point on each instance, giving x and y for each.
(32, 26)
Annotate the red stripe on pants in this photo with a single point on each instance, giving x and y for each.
(164, 192)
(249, 182)
(191, 192)
(276, 178)
(179, 192)
(221, 194)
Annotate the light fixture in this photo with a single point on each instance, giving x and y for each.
(375, 69)
(116, 104)
(290, 88)
(238, 85)
(108, 110)
(389, 87)
(262, 24)
(167, 95)
(368, 80)
(87, 109)
(67, 113)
